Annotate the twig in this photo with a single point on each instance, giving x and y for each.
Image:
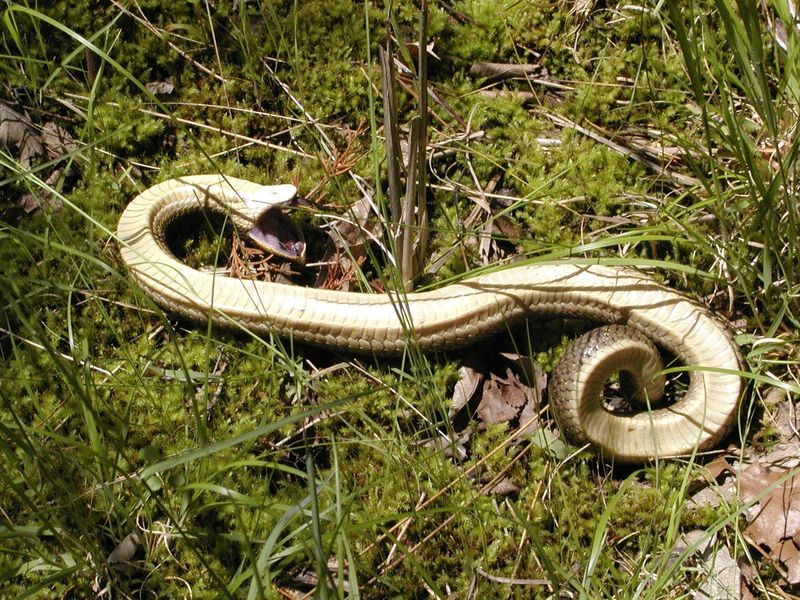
(511, 580)
(38, 346)
(413, 178)
(403, 530)
(298, 435)
(517, 96)
(393, 151)
(503, 70)
(675, 178)
(423, 233)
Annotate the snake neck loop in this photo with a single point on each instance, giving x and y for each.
(256, 211)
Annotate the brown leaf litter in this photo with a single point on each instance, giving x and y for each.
(768, 488)
(20, 136)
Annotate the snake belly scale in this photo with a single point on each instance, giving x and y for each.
(457, 315)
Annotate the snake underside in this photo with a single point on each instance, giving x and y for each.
(456, 315)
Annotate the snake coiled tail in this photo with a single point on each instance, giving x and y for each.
(459, 314)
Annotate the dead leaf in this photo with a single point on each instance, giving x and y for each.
(534, 375)
(715, 468)
(774, 520)
(782, 413)
(785, 455)
(531, 371)
(505, 227)
(347, 248)
(714, 495)
(468, 381)
(529, 416)
(504, 487)
(777, 516)
(714, 483)
(453, 447)
(503, 399)
(495, 239)
(789, 555)
(160, 88)
(57, 140)
(724, 581)
(125, 550)
(550, 441)
(774, 517)
(695, 537)
(31, 202)
(724, 577)
(18, 132)
(57, 143)
(356, 232)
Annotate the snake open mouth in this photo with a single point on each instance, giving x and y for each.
(276, 233)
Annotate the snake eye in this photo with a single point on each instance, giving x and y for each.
(276, 233)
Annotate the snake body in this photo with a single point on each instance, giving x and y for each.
(459, 314)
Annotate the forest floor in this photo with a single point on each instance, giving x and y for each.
(142, 455)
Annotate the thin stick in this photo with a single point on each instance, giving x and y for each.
(676, 178)
(422, 156)
(67, 357)
(393, 152)
(503, 70)
(412, 178)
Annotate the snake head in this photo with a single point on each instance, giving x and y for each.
(269, 227)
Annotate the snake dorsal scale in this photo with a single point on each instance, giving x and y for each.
(451, 316)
